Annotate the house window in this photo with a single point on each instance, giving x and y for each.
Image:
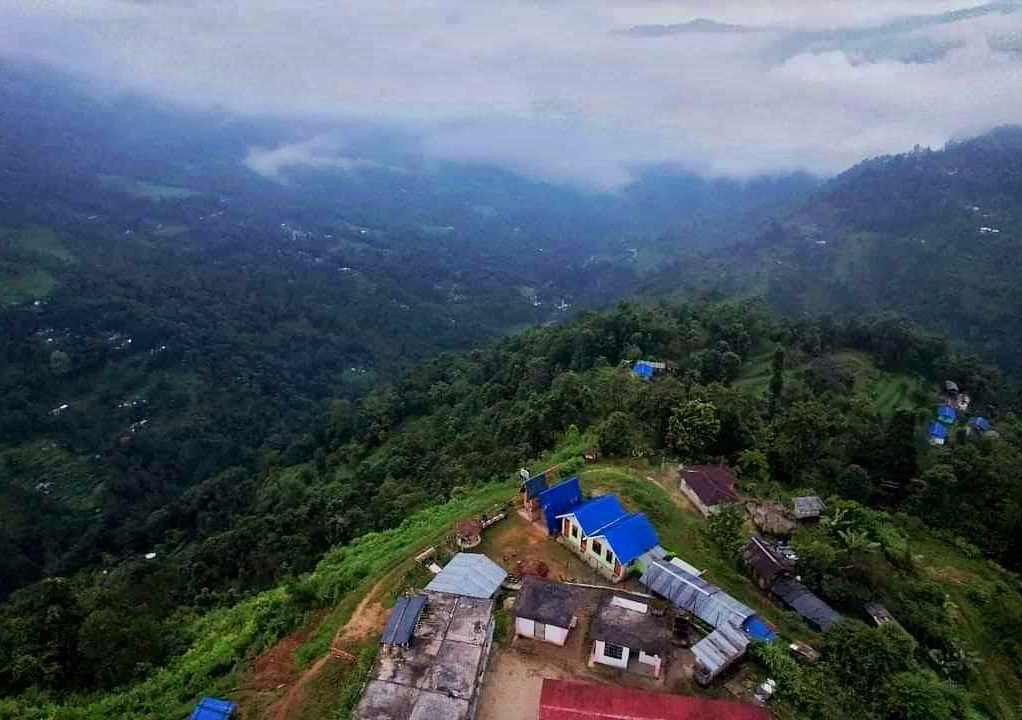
(574, 531)
(597, 548)
(613, 651)
(609, 556)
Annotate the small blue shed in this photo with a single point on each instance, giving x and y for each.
(980, 423)
(213, 709)
(643, 369)
(558, 499)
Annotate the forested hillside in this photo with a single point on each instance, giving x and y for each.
(840, 410)
(928, 235)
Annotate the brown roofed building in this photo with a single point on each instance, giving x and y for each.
(766, 566)
(708, 487)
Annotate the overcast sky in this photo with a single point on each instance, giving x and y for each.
(582, 91)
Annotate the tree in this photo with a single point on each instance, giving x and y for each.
(694, 427)
(615, 434)
(727, 530)
(60, 363)
(753, 468)
(923, 696)
(854, 483)
(776, 379)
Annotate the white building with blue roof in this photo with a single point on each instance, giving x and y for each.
(609, 538)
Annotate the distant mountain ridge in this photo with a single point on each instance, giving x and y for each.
(931, 235)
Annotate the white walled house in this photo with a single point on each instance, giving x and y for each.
(606, 536)
(626, 636)
(544, 610)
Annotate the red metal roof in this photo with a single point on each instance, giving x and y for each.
(713, 484)
(573, 700)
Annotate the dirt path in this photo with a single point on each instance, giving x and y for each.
(367, 619)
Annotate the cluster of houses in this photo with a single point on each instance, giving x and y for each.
(955, 405)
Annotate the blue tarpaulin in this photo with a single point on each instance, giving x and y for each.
(756, 628)
(630, 536)
(559, 498)
(598, 513)
(938, 431)
(213, 709)
(946, 414)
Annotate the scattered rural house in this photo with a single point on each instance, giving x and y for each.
(718, 651)
(708, 487)
(469, 574)
(213, 709)
(765, 565)
(771, 518)
(963, 402)
(468, 533)
(979, 424)
(703, 601)
(623, 631)
(575, 700)
(946, 414)
(798, 597)
(879, 614)
(606, 536)
(544, 610)
(558, 499)
(402, 620)
(936, 433)
(590, 455)
(646, 369)
(59, 409)
(808, 507)
(435, 673)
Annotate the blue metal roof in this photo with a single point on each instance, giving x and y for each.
(597, 514)
(535, 485)
(630, 536)
(946, 413)
(558, 499)
(643, 369)
(937, 430)
(213, 709)
(403, 617)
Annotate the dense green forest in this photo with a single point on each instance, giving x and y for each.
(839, 408)
(930, 235)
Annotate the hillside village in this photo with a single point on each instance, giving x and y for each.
(561, 603)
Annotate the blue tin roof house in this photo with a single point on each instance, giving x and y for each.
(946, 414)
(558, 499)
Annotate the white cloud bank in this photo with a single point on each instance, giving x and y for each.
(580, 91)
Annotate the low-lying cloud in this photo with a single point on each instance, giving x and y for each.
(578, 91)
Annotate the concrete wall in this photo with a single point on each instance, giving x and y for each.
(599, 656)
(551, 633)
(584, 549)
(652, 660)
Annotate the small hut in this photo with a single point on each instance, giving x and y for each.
(468, 533)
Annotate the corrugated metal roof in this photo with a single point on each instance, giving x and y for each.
(707, 602)
(720, 648)
(559, 498)
(213, 709)
(643, 369)
(403, 617)
(631, 536)
(713, 484)
(597, 514)
(469, 574)
(946, 413)
(937, 430)
(808, 506)
(535, 485)
(574, 700)
(805, 603)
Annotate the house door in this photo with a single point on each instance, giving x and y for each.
(540, 632)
